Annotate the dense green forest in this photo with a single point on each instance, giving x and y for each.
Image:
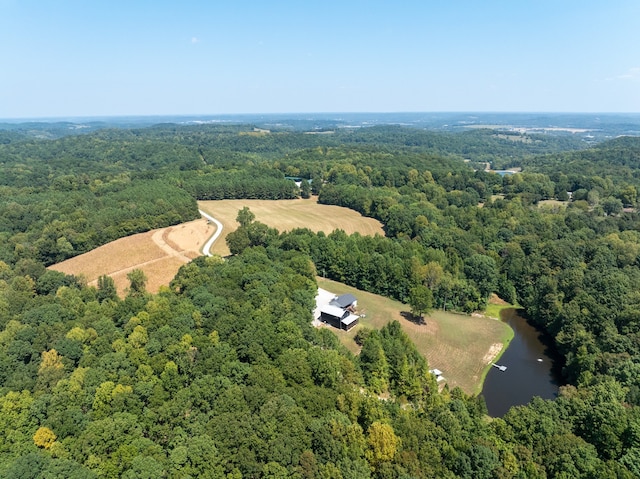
(222, 375)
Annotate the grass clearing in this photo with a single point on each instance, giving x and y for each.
(160, 253)
(461, 346)
(553, 205)
(286, 215)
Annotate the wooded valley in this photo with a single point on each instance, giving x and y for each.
(222, 374)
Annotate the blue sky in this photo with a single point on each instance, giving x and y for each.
(143, 57)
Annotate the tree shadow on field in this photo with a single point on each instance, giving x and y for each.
(409, 316)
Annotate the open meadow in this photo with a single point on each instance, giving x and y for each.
(461, 346)
(160, 253)
(286, 215)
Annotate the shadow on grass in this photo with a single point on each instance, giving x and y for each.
(419, 320)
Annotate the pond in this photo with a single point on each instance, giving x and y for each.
(529, 370)
(505, 172)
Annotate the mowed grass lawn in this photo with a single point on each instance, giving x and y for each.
(461, 346)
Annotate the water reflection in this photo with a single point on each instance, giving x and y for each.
(529, 369)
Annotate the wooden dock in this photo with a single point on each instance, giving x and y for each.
(501, 368)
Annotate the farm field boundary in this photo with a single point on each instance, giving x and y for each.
(160, 253)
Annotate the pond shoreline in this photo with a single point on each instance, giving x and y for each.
(506, 341)
(531, 367)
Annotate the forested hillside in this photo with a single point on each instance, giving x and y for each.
(615, 160)
(222, 375)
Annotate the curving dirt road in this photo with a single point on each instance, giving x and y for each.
(206, 249)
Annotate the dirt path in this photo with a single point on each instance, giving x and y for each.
(159, 253)
(160, 238)
(206, 249)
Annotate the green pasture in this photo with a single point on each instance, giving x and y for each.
(461, 346)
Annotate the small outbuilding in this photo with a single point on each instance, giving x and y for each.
(438, 374)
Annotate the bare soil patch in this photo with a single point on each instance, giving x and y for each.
(495, 299)
(493, 352)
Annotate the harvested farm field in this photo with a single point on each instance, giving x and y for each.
(160, 253)
(289, 214)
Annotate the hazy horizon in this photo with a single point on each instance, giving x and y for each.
(313, 114)
(86, 59)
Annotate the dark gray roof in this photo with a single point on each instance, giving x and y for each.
(344, 300)
(334, 311)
